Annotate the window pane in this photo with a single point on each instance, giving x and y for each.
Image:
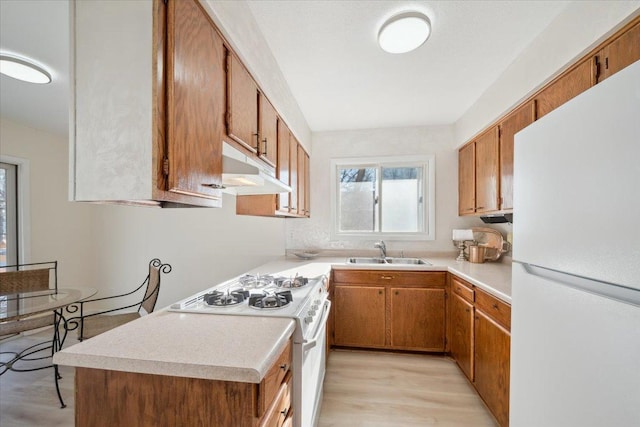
(402, 199)
(357, 199)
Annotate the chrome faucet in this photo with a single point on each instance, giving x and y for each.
(383, 248)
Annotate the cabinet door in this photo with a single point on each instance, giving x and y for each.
(195, 100)
(268, 132)
(302, 185)
(623, 51)
(359, 316)
(491, 359)
(462, 334)
(307, 186)
(515, 122)
(570, 85)
(242, 105)
(282, 170)
(293, 174)
(417, 319)
(467, 179)
(487, 171)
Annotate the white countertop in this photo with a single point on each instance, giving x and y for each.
(228, 348)
(237, 348)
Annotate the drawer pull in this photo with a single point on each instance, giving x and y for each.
(386, 277)
(495, 305)
(285, 411)
(284, 367)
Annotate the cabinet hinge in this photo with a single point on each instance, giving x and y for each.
(165, 166)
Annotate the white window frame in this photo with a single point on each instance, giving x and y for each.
(24, 207)
(427, 162)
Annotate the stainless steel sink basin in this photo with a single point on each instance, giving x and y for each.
(388, 260)
(365, 261)
(410, 261)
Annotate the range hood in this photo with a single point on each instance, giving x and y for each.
(497, 218)
(241, 175)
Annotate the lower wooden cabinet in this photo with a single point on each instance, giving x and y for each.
(417, 319)
(491, 356)
(481, 343)
(389, 310)
(115, 398)
(359, 316)
(461, 343)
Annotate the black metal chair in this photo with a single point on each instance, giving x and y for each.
(95, 323)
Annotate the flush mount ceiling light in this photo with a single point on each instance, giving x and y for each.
(24, 70)
(404, 32)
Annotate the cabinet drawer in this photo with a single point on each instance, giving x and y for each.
(388, 277)
(461, 288)
(272, 382)
(278, 412)
(494, 308)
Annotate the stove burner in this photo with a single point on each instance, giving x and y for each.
(225, 299)
(293, 282)
(255, 281)
(271, 300)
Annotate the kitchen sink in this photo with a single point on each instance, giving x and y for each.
(365, 261)
(410, 261)
(388, 260)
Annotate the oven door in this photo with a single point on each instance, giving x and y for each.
(310, 358)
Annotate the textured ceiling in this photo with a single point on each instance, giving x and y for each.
(328, 54)
(37, 30)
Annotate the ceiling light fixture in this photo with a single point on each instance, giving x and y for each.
(23, 69)
(404, 32)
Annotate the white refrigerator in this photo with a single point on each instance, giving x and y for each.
(575, 343)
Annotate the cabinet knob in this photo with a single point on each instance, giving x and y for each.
(467, 310)
(495, 306)
(397, 293)
(379, 292)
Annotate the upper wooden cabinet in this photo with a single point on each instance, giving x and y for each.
(282, 169)
(567, 86)
(620, 52)
(268, 132)
(467, 179)
(293, 175)
(487, 171)
(195, 98)
(149, 132)
(303, 182)
(478, 173)
(242, 105)
(514, 122)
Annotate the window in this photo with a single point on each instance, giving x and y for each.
(8, 224)
(383, 198)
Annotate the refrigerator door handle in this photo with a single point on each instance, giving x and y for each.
(605, 289)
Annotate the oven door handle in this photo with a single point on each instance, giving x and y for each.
(314, 341)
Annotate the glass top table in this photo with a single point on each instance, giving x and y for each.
(30, 303)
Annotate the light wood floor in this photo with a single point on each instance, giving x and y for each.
(361, 389)
(389, 389)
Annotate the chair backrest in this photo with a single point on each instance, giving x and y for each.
(28, 278)
(156, 267)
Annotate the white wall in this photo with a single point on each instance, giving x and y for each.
(59, 230)
(205, 246)
(576, 30)
(315, 232)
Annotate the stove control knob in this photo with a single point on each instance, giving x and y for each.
(311, 312)
(314, 307)
(308, 319)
